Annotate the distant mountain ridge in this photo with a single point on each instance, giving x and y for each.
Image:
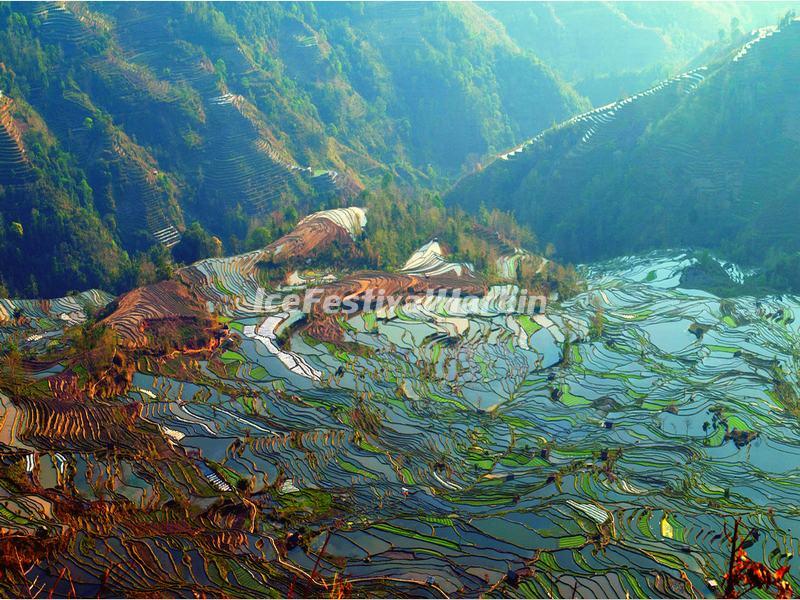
(641, 42)
(705, 159)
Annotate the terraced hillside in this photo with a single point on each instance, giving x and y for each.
(427, 448)
(703, 159)
(241, 117)
(15, 169)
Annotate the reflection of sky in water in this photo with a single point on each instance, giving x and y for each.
(671, 337)
(492, 433)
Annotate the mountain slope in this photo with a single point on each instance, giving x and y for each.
(639, 40)
(386, 83)
(237, 116)
(706, 159)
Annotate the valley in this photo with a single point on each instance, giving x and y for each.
(702, 159)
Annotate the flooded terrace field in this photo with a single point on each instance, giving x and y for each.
(470, 446)
(594, 450)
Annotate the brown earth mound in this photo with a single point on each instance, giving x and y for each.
(162, 317)
(310, 238)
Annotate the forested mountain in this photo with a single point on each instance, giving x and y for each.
(608, 50)
(124, 122)
(705, 159)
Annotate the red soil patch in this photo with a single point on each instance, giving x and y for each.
(358, 286)
(308, 239)
(162, 317)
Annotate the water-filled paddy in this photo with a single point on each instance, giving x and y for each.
(445, 448)
(468, 445)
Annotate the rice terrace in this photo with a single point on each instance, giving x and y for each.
(413, 299)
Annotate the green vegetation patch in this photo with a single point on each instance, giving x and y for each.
(528, 324)
(416, 536)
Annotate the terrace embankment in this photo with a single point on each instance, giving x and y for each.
(374, 290)
(58, 425)
(318, 233)
(15, 169)
(163, 318)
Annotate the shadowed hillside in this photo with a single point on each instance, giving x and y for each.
(703, 159)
